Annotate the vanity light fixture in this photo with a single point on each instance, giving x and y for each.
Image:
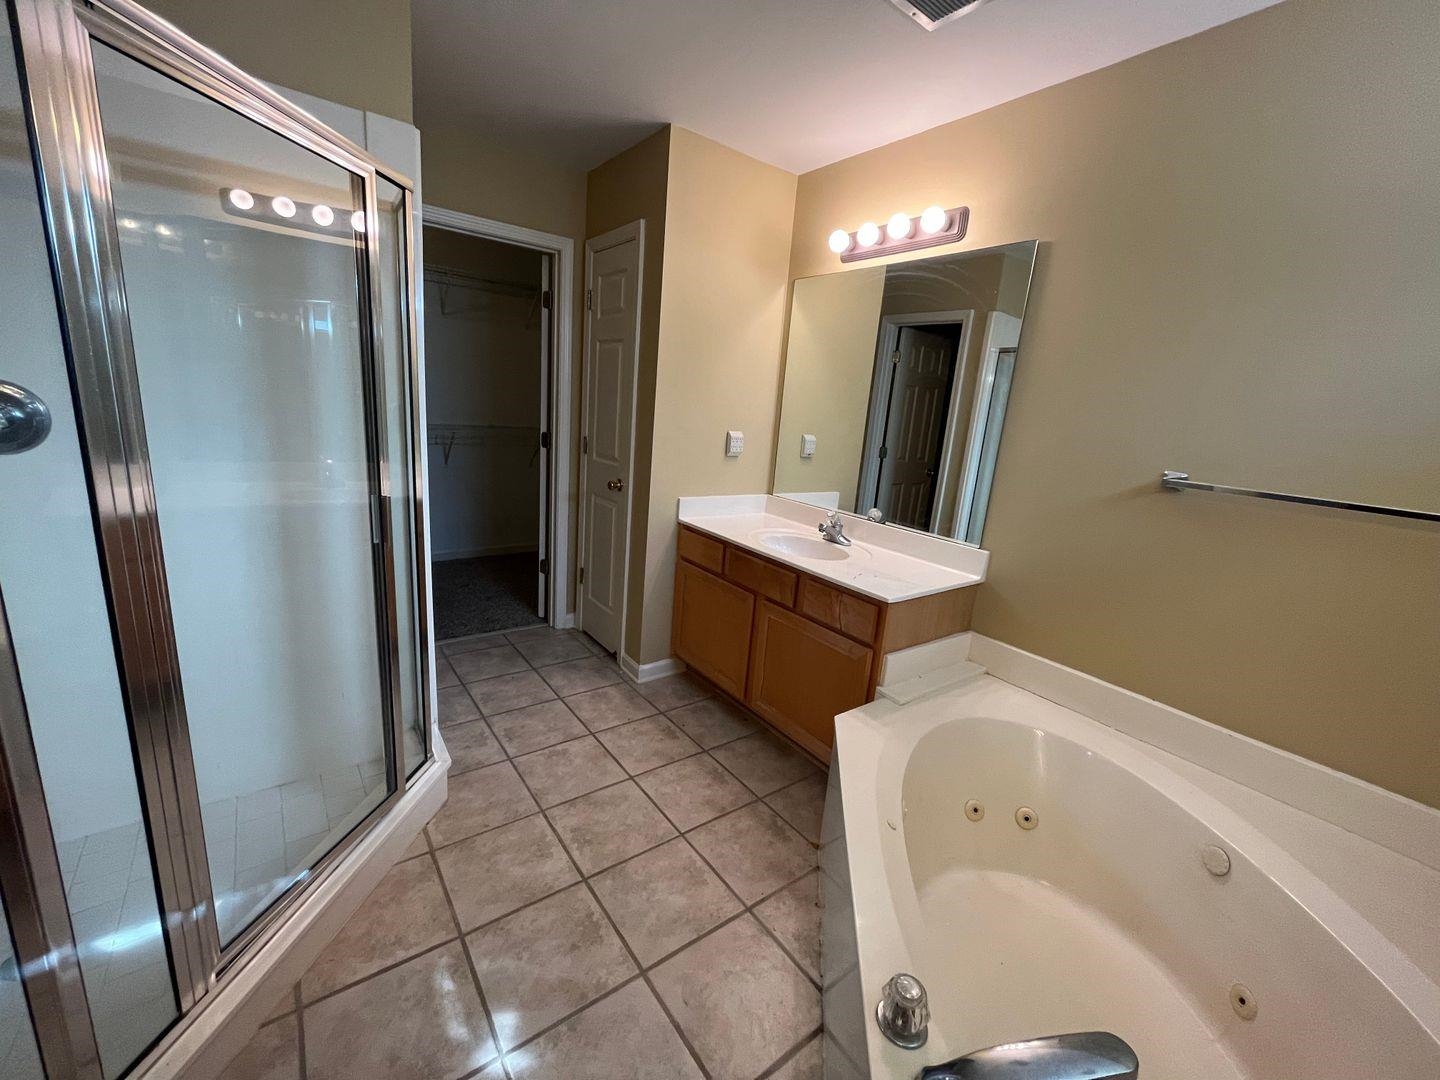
(283, 210)
(934, 226)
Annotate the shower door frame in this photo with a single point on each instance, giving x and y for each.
(68, 148)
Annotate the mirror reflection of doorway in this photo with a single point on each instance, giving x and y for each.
(487, 334)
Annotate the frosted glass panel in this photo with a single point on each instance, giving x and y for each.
(247, 326)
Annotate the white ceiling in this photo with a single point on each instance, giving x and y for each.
(797, 83)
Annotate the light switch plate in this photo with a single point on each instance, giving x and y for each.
(807, 446)
(734, 443)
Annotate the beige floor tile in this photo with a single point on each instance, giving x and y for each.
(793, 915)
(284, 1006)
(418, 846)
(608, 825)
(753, 850)
(713, 721)
(763, 763)
(480, 800)
(472, 745)
(695, 790)
(647, 744)
(420, 1021)
(805, 1065)
(405, 914)
(496, 872)
(553, 649)
(538, 632)
(545, 961)
(488, 663)
(673, 691)
(609, 706)
(569, 770)
(802, 804)
(738, 999)
(664, 899)
(456, 706)
(577, 676)
(536, 727)
(445, 674)
(586, 1045)
(508, 692)
(272, 1054)
(455, 646)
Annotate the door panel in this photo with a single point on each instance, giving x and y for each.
(919, 401)
(248, 325)
(614, 286)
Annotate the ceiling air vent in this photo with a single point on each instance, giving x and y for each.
(933, 14)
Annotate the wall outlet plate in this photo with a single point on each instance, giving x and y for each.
(734, 443)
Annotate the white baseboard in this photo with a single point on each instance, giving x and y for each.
(1403, 825)
(656, 669)
(207, 1039)
(481, 552)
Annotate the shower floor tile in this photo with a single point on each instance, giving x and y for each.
(611, 873)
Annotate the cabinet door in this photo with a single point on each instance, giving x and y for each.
(711, 627)
(802, 675)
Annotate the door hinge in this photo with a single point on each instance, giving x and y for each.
(582, 575)
(544, 566)
(895, 357)
(584, 444)
(545, 299)
(589, 300)
(544, 440)
(884, 452)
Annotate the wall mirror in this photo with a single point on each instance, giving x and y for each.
(896, 383)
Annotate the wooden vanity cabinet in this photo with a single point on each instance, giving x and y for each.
(795, 649)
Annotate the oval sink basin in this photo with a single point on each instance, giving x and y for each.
(799, 545)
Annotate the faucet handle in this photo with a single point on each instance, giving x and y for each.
(904, 1011)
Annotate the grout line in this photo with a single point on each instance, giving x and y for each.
(470, 963)
(328, 994)
(300, 1031)
(785, 1058)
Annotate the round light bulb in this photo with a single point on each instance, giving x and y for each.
(357, 221)
(899, 226)
(283, 206)
(933, 220)
(839, 241)
(868, 235)
(164, 230)
(129, 223)
(241, 199)
(322, 215)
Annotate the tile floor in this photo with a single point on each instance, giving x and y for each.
(622, 884)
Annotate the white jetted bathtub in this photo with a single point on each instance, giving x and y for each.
(1103, 916)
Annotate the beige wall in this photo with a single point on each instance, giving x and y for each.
(1237, 277)
(632, 186)
(829, 366)
(356, 53)
(722, 312)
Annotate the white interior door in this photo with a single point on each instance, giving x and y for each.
(919, 400)
(612, 339)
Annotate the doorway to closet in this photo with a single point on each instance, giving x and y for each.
(488, 310)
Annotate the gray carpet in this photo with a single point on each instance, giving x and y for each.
(493, 592)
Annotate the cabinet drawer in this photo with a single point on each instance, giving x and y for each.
(757, 575)
(711, 625)
(702, 550)
(802, 675)
(852, 616)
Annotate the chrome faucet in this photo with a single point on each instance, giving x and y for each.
(833, 529)
(1087, 1055)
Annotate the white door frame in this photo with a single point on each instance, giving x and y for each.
(556, 379)
(635, 230)
(886, 342)
(1002, 331)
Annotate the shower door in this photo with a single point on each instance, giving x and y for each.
(211, 650)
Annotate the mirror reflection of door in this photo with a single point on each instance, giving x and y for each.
(922, 371)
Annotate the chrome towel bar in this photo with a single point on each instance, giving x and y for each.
(1172, 480)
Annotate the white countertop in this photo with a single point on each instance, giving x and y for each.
(883, 561)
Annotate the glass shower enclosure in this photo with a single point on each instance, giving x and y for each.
(212, 619)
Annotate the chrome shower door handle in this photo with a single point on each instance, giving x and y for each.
(615, 485)
(24, 419)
